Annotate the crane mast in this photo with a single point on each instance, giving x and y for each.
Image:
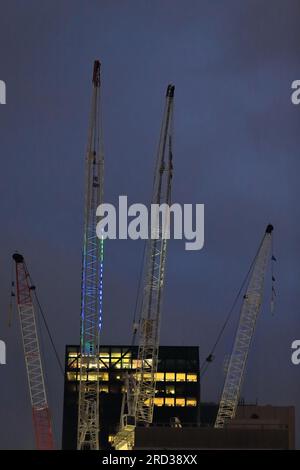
(141, 387)
(35, 375)
(92, 281)
(245, 331)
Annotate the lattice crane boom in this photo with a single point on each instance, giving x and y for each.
(40, 410)
(245, 331)
(92, 281)
(141, 387)
(149, 324)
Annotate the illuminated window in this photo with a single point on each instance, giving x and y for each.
(92, 376)
(110, 438)
(158, 401)
(169, 401)
(126, 363)
(180, 402)
(103, 365)
(104, 355)
(160, 377)
(72, 363)
(191, 402)
(136, 363)
(147, 376)
(73, 354)
(93, 365)
(79, 362)
(170, 389)
(116, 355)
(160, 388)
(127, 355)
(102, 376)
(116, 365)
(103, 388)
(71, 375)
(170, 376)
(180, 377)
(191, 377)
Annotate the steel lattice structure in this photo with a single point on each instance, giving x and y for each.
(246, 327)
(40, 409)
(149, 325)
(92, 281)
(140, 397)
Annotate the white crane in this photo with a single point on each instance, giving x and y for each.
(92, 282)
(245, 331)
(141, 387)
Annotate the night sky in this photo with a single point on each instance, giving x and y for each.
(236, 149)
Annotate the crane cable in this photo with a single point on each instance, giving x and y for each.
(49, 395)
(273, 291)
(137, 298)
(45, 323)
(12, 295)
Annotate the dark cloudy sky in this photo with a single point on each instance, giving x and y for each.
(236, 149)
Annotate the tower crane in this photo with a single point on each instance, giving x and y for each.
(245, 331)
(35, 375)
(139, 402)
(92, 281)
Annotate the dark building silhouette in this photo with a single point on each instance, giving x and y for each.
(254, 417)
(177, 388)
(197, 438)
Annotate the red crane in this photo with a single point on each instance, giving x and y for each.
(40, 410)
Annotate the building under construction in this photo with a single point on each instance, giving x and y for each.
(177, 388)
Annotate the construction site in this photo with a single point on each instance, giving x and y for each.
(144, 395)
(149, 287)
